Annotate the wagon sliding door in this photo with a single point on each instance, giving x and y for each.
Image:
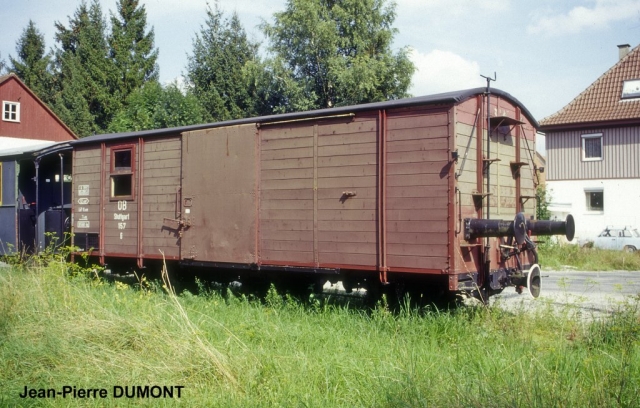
(219, 195)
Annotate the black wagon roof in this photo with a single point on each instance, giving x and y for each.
(447, 98)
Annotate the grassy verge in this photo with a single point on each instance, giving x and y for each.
(587, 259)
(57, 330)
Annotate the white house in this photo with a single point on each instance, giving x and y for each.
(593, 151)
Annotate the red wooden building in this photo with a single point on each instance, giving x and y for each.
(27, 125)
(25, 116)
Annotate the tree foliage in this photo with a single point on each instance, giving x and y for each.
(217, 68)
(102, 76)
(84, 101)
(155, 107)
(339, 51)
(3, 65)
(32, 64)
(96, 71)
(543, 197)
(274, 90)
(131, 48)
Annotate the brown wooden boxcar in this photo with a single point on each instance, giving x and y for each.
(402, 192)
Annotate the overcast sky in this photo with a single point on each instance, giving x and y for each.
(544, 52)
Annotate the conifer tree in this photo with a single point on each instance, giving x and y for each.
(131, 48)
(216, 70)
(83, 72)
(32, 64)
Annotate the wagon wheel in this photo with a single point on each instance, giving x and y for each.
(629, 248)
(374, 291)
(255, 286)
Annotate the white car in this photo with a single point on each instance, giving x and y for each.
(627, 239)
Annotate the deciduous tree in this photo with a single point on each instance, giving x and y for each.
(155, 107)
(273, 88)
(340, 52)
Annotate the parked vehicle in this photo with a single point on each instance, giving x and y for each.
(626, 239)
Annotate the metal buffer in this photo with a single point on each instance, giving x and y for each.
(518, 230)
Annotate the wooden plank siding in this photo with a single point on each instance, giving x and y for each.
(347, 162)
(309, 171)
(160, 195)
(621, 149)
(417, 195)
(86, 186)
(286, 194)
(120, 229)
(469, 124)
(503, 181)
(305, 169)
(504, 177)
(529, 178)
(219, 194)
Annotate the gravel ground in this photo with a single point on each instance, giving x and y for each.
(587, 294)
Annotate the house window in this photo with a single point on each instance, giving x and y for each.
(595, 200)
(10, 111)
(592, 147)
(122, 170)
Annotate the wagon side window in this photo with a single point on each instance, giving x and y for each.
(122, 170)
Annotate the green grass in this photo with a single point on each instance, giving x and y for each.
(554, 256)
(227, 351)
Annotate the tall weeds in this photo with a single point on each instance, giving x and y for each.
(558, 256)
(60, 328)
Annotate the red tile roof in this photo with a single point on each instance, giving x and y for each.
(601, 101)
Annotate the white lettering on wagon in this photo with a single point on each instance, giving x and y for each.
(83, 224)
(122, 217)
(83, 189)
(83, 201)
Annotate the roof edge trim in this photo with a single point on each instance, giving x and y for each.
(447, 98)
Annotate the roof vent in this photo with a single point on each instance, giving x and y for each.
(623, 50)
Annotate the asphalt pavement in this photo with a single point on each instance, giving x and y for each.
(587, 294)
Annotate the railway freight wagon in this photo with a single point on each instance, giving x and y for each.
(407, 193)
